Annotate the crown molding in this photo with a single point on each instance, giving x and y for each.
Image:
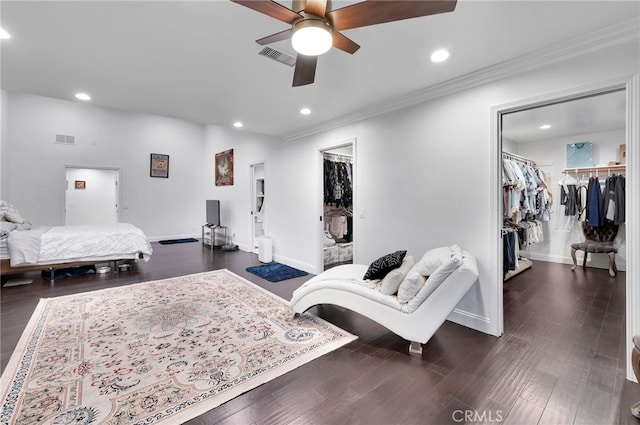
(607, 37)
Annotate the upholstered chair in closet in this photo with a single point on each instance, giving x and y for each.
(597, 240)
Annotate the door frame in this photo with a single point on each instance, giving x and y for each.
(92, 167)
(252, 190)
(631, 85)
(320, 198)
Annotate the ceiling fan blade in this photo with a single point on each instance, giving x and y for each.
(316, 7)
(374, 12)
(279, 36)
(344, 43)
(305, 71)
(270, 8)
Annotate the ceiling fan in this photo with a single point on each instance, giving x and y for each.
(315, 28)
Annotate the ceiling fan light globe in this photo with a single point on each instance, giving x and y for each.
(311, 38)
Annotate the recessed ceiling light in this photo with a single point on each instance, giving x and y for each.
(83, 96)
(545, 127)
(238, 124)
(305, 111)
(440, 55)
(3, 34)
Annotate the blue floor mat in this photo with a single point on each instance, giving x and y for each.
(275, 272)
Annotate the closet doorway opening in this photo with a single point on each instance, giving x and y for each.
(608, 144)
(337, 205)
(258, 198)
(91, 195)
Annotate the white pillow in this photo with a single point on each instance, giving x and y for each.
(410, 285)
(438, 276)
(13, 217)
(432, 259)
(391, 282)
(6, 228)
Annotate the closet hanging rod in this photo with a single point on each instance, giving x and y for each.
(338, 157)
(608, 168)
(518, 158)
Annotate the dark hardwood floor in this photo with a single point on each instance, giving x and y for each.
(561, 359)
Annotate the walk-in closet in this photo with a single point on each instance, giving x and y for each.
(563, 179)
(338, 207)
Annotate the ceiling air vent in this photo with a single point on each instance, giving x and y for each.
(62, 139)
(278, 56)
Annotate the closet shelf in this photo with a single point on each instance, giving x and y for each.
(583, 170)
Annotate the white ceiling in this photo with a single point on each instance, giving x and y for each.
(198, 60)
(604, 112)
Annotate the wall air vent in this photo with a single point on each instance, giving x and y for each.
(278, 56)
(62, 139)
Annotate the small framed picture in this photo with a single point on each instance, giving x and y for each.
(81, 184)
(159, 165)
(224, 168)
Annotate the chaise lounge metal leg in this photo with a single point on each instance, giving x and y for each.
(52, 274)
(612, 264)
(415, 348)
(584, 260)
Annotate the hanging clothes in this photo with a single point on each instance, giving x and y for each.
(338, 187)
(614, 199)
(619, 196)
(595, 216)
(608, 198)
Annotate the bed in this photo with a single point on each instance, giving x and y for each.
(436, 283)
(26, 248)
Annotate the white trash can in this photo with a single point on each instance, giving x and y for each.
(265, 249)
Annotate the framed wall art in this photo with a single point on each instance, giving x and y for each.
(159, 165)
(81, 184)
(224, 168)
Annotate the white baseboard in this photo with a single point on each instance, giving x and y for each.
(309, 268)
(601, 263)
(471, 320)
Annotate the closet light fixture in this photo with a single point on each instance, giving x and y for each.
(83, 96)
(545, 127)
(305, 111)
(440, 55)
(4, 34)
(238, 124)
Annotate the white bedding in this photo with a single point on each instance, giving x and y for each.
(4, 248)
(57, 244)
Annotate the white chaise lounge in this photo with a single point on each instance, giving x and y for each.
(417, 319)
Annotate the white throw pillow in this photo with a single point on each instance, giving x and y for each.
(13, 217)
(410, 285)
(391, 282)
(432, 259)
(438, 276)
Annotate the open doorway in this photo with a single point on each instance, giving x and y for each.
(629, 88)
(258, 204)
(562, 148)
(91, 195)
(337, 233)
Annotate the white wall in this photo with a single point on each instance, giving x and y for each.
(423, 175)
(33, 166)
(550, 155)
(236, 200)
(4, 141)
(34, 178)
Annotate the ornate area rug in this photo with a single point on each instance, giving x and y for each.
(156, 352)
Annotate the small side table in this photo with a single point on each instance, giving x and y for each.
(209, 235)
